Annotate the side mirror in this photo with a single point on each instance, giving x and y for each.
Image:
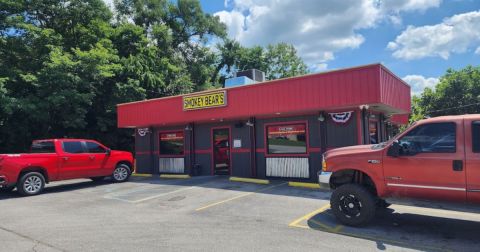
(108, 152)
(394, 150)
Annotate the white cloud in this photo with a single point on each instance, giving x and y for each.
(418, 83)
(321, 67)
(318, 29)
(457, 34)
(478, 50)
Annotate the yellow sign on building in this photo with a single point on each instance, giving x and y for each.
(202, 101)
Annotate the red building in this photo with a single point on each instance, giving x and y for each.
(275, 129)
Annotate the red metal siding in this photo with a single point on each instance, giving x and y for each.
(393, 91)
(332, 90)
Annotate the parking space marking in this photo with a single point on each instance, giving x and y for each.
(151, 197)
(338, 230)
(238, 197)
(308, 216)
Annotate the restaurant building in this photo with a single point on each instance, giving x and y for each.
(266, 129)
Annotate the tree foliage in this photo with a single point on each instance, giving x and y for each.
(458, 92)
(65, 64)
(276, 60)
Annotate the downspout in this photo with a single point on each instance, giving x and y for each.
(192, 149)
(323, 132)
(152, 150)
(253, 145)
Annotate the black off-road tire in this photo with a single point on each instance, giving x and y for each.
(121, 173)
(353, 205)
(31, 183)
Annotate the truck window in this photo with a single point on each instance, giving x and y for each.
(73, 147)
(430, 138)
(43, 147)
(476, 136)
(94, 148)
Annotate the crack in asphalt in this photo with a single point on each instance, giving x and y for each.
(37, 242)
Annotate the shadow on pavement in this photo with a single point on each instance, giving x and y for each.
(408, 230)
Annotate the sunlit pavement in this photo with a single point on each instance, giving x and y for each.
(214, 214)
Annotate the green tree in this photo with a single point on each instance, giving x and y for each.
(458, 92)
(276, 60)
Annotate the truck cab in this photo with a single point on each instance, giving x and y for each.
(434, 159)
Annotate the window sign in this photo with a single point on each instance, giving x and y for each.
(287, 139)
(172, 143)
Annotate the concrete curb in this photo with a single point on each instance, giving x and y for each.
(141, 175)
(304, 185)
(250, 180)
(175, 176)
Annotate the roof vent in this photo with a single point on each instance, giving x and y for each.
(254, 74)
(246, 77)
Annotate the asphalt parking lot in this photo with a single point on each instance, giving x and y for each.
(214, 214)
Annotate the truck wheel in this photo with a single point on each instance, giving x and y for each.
(121, 173)
(31, 183)
(353, 205)
(97, 179)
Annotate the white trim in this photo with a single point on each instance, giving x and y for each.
(428, 187)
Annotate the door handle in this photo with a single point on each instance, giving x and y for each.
(65, 158)
(92, 157)
(457, 165)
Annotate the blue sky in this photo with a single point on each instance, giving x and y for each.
(417, 39)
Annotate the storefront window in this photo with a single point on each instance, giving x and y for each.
(287, 139)
(171, 143)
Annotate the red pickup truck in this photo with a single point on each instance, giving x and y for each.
(62, 159)
(436, 159)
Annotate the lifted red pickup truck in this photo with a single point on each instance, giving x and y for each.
(62, 159)
(435, 159)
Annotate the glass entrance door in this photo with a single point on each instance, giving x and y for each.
(221, 151)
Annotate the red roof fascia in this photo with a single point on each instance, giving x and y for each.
(371, 84)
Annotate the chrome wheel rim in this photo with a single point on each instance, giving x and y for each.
(32, 184)
(121, 173)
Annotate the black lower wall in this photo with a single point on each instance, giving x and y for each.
(334, 135)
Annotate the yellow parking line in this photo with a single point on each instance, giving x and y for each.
(237, 197)
(310, 215)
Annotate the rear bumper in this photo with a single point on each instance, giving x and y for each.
(324, 178)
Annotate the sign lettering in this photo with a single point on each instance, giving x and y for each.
(202, 101)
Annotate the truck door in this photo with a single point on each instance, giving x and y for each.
(472, 151)
(431, 163)
(74, 161)
(98, 159)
